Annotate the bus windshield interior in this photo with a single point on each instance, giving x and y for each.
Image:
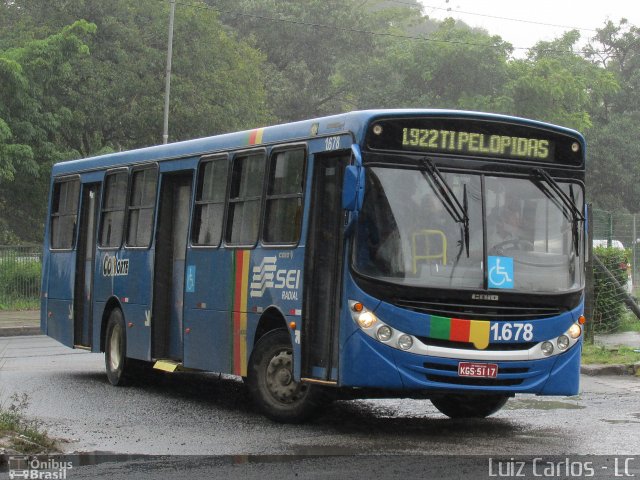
(518, 232)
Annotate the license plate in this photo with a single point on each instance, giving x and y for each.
(481, 370)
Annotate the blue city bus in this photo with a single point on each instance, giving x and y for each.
(402, 253)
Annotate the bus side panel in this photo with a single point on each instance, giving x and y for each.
(98, 312)
(132, 285)
(102, 292)
(208, 305)
(62, 267)
(207, 345)
(138, 331)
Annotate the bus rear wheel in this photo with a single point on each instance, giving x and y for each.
(115, 349)
(271, 383)
(469, 406)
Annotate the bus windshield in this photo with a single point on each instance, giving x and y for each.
(406, 235)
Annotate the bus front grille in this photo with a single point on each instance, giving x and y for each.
(477, 311)
(476, 382)
(492, 347)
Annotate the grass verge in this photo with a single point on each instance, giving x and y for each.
(596, 354)
(17, 304)
(629, 323)
(19, 434)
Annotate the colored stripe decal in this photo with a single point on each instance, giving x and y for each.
(479, 333)
(255, 136)
(458, 330)
(240, 312)
(440, 327)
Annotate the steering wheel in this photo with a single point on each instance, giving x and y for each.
(515, 243)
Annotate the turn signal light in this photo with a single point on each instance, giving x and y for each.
(358, 307)
(582, 320)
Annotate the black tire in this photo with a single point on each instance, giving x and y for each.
(270, 381)
(469, 406)
(115, 350)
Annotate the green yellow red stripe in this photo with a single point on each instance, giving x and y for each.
(459, 330)
(240, 296)
(255, 136)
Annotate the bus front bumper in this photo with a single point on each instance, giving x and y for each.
(367, 363)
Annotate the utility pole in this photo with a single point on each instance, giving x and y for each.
(167, 87)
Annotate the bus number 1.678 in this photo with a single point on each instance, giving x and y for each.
(512, 331)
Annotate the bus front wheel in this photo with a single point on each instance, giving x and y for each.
(115, 349)
(469, 406)
(271, 383)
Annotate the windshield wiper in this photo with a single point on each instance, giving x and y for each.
(565, 202)
(445, 194)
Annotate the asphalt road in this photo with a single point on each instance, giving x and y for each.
(203, 414)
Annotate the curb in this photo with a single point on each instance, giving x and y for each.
(616, 369)
(19, 331)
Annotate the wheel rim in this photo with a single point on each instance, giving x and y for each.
(115, 343)
(279, 379)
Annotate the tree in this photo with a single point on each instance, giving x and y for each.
(32, 122)
(455, 67)
(555, 84)
(109, 94)
(312, 45)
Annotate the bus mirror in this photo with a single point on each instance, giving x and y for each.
(350, 189)
(356, 155)
(353, 186)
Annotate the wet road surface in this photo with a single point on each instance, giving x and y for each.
(205, 414)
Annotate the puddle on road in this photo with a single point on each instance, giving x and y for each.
(530, 404)
(619, 422)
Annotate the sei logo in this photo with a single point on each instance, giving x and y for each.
(267, 275)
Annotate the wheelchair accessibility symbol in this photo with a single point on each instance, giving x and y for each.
(500, 272)
(191, 279)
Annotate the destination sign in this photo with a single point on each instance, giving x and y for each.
(472, 142)
(476, 137)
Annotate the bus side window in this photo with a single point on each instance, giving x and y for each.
(210, 197)
(141, 207)
(283, 214)
(64, 213)
(245, 196)
(113, 207)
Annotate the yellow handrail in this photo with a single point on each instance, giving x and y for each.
(428, 234)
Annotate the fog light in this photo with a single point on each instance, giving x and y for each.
(563, 342)
(384, 333)
(367, 319)
(547, 348)
(575, 331)
(405, 342)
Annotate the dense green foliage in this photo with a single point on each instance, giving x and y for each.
(82, 77)
(608, 306)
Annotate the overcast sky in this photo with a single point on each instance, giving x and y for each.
(584, 14)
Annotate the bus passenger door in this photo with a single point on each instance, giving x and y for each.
(85, 260)
(323, 269)
(168, 280)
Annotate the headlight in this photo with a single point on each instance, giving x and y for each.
(563, 342)
(384, 333)
(547, 348)
(405, 342)
(575, 331)
(367, 319)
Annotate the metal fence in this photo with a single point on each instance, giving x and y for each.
(615, 236)
(20, 270)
